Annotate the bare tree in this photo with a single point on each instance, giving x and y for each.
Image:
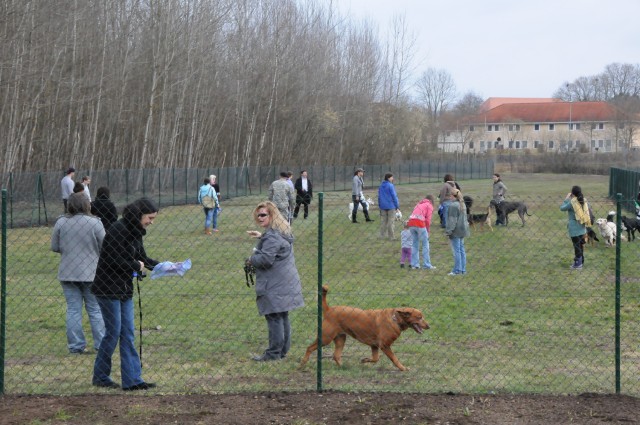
(436, 91)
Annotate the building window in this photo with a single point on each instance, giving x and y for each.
(536, 143)
(550, 144)
(552, 127)
(489, 127)
(621, 126)
(597, 126)
(496, 127)
(470, 145)
(472, 128)
(510, 144)
(482, 145)
(536, 127)
(524, 144)
(514, 127)
(574, 126)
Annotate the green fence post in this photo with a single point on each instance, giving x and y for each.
(617, 325)
(319, 358)
(3, 289)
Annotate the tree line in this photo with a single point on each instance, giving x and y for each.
(109, 84)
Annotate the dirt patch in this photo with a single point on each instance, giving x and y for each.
(320, 408)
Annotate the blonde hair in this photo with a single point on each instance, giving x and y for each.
(212, 178)
(277, 222)
(457, 193)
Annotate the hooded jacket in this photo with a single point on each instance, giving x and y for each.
(421, 215)
(278, 287)
(122, 248)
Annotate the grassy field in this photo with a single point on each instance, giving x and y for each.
(519, 321)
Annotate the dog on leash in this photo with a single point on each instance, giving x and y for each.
(477, 220)
(508, 207)
(376, 328)
(367, 200)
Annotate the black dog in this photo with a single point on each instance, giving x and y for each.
(591, 237)
(507, 208)
(631, 224)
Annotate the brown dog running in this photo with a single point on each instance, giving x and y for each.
(375, 328)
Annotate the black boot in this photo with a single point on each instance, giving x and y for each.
(366, 216)
(353, 218)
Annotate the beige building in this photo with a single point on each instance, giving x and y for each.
(542, 125)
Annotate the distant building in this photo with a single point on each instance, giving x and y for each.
(542, 125)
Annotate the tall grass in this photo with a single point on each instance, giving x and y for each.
(519, 321)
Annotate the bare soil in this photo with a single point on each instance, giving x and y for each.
(319, 408)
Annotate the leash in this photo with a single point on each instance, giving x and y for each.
(138, 278)
(249, 272)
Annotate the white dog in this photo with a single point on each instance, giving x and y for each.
(398, 215)
(607, 230)
(369, 202)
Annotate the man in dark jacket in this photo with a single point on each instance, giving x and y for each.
(304, 193)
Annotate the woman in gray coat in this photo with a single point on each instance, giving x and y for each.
(77, 237)
(278, 288)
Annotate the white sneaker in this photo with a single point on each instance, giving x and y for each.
(453, 274)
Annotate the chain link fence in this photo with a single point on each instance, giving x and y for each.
(518, 321)
(35, 199)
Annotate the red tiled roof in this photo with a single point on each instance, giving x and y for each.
(548, 112)
(494, 102)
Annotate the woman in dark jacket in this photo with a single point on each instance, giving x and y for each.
(122, 259)
(103, 208)
(278, 288)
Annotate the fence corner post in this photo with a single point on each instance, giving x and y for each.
(319, 295)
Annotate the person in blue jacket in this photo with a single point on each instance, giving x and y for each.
(389, 205)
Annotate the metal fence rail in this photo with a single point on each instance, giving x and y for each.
(35, 198)
(519, 321)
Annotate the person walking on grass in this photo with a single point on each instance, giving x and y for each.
(357, 196)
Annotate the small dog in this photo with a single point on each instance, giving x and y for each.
(367, 200)
(375, 328)
(631, 224)
(398, 215)
(607, 231)
(509, 207)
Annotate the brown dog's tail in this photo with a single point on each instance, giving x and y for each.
(325, 306)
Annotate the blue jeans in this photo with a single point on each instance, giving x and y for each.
(214, 217)
(279, 335)
(119, 325)
(75, 293)
(208, 216)
(445, 211)
(420, 235)
(459, 255)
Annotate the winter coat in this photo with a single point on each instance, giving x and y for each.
(207, 190)
(387, 197)
(121, 250)
(421, 215)
(574, 228)
(457, 222)
(499, 190)
(104, 209)
(357, 185)
(281, 194)
(446, 192)
(78, 239)
(278, 287)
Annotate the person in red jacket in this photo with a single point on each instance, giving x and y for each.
(420, 226)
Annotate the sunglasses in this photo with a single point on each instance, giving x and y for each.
(263, 215)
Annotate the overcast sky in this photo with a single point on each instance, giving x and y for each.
(513, 48)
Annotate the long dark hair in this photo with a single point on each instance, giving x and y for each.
(577, 192)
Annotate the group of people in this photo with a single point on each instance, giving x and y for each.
(289, 196)
(100, 257)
